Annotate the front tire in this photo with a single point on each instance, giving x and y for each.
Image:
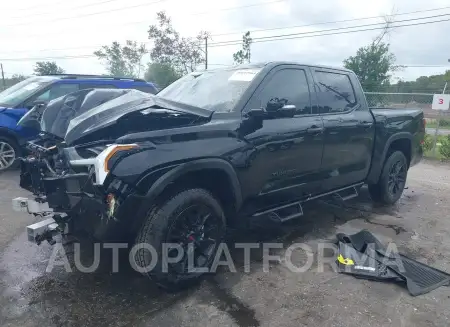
(392, 181)
(195, 221)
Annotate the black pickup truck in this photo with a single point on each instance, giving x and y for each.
(211, 150)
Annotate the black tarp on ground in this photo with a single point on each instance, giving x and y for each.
(363, 256)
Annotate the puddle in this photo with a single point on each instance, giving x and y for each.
(226, 302)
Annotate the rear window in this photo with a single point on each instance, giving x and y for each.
(336, 93)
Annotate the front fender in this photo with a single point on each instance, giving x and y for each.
(168, 175)
(194, 165)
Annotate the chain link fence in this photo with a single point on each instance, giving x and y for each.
(402, 100)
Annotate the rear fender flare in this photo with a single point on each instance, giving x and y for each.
(377, 167)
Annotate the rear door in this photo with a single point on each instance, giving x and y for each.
(349, 128)
(287, 152)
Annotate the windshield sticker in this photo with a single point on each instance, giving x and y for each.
(31, 86)
(243, 75)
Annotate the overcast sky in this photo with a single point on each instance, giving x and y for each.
(57, 28)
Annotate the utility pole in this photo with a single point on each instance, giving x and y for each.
(206, 52)
(3, 76)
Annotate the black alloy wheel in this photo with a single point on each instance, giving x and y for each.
(197, 230)
(397, 178)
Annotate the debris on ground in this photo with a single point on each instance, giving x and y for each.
(363, 256)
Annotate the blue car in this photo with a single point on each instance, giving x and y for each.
(18, 99)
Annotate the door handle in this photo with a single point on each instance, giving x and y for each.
(365, 124)
(315, 130)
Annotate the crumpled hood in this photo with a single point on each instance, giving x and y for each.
(109, 113)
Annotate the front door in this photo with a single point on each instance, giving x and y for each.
(349, 129)
(286, 151)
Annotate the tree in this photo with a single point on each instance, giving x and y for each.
(424, 84)
(122, 60)
(161, 74)
(47, 68)
(374, 63)
(244, 54)
(181, 53)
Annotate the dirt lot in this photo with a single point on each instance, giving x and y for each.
(419, 225)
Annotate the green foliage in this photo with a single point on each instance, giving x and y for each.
(122, 60)
(444, 148)
(181, 53)
(244, 55)
(47, 68)
(161, 74)
(373, 65)
(423, 84)
(428, 143)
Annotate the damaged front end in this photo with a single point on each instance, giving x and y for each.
(72, 193)
(68, 169)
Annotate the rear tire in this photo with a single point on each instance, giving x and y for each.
(392, 181)
(167, 223)
(9, 152)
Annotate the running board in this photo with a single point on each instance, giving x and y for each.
(346, 194)
(283, 213)
(293, 210)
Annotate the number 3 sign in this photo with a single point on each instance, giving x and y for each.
(441, 102)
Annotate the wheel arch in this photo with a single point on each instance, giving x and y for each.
(400, 141)
(6, 132)
(208, 173)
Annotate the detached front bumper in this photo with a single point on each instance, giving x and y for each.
(41, 230)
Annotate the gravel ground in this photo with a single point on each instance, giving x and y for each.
(418, 224)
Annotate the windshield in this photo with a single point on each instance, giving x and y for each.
(20, 92)
(216, 90)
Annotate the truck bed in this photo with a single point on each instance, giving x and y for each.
(381, 114)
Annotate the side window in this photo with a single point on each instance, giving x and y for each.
(336, 93)
(146, 88)
(289, 86)
(58, 90)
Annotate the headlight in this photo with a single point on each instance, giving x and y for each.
(101, 162)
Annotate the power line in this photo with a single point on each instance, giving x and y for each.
(40, 5)
(281, 37)
(333, 22)
(132, 23)
(427, 66)
(49, 58)
(295, 35)
(141, 5)
(89, 14)
(71, 8)
(259, 38)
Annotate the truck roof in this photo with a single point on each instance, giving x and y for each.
(270, 64)
(84, 77)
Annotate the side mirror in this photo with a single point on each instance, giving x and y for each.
(288, 110)
(288, 107)
(257, 113)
